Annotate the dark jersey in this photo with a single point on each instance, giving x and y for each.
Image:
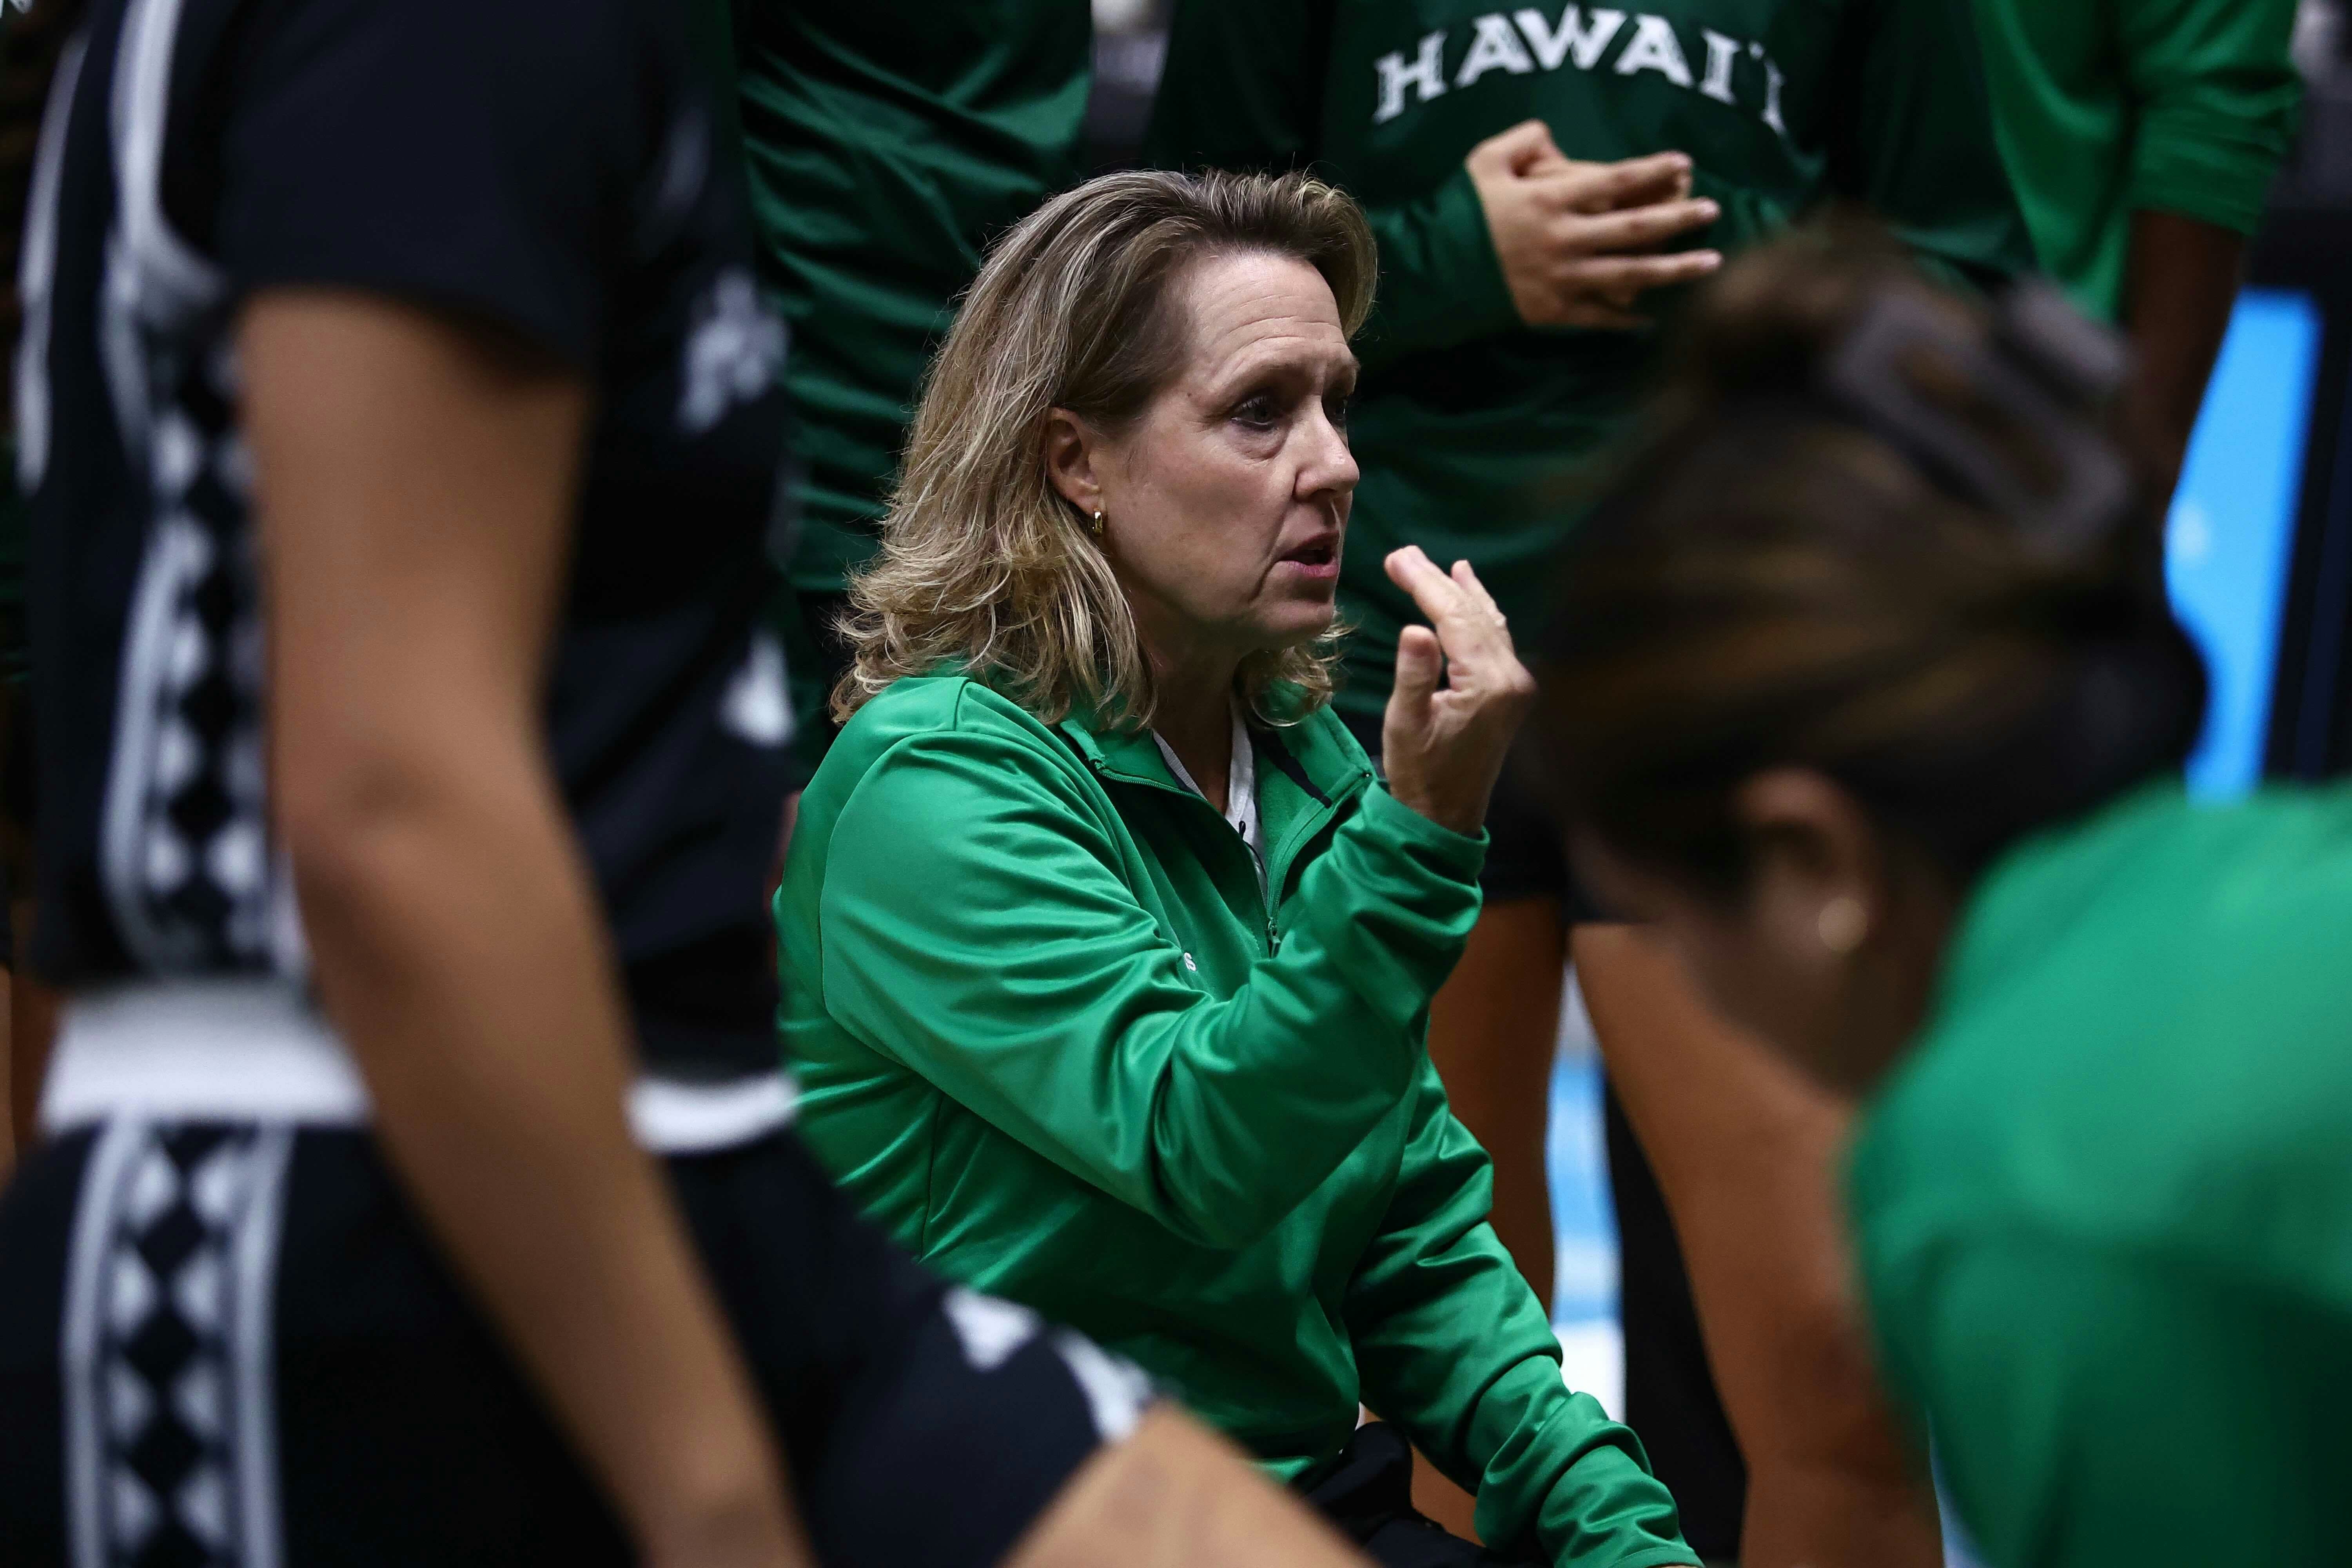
(546, 167)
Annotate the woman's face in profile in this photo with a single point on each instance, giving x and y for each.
(1226, 503)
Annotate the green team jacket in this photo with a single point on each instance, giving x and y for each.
(888, 142)
(1475, 433)
(2105, 1208)
(2177, 106)
(1053, 1035)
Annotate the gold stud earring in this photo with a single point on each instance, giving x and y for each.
(1843, 924)
(1098, 524)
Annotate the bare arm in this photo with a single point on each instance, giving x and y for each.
(413, 484)
(1745, 1152)
(2179, 284)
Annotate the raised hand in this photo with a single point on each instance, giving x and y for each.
(1459, 694)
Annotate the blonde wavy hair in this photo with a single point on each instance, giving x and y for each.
(984, 567)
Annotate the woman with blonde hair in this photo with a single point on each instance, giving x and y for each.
(1107, 958)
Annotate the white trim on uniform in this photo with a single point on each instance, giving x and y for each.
(36, 271)
(253, 1340)
(670, 1116)
(252, 1049)
(167, 1347)
(225, 1049)
(174, 279)
(1116, 1389)
(82, 1326)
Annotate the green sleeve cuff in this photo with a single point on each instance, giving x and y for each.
(1440, 282)
(2211, 166)
(1618, 1514)
(1463, 855)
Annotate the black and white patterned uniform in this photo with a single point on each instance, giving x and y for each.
(223, 1339)
(563, 188)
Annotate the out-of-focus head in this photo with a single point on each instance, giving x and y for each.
(1868, 602)
(1168, 351)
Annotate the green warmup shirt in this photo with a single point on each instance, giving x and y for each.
(1475, 433)
(888, 142)
(1053, 1033)
(2104, 1209)
(2177, 106)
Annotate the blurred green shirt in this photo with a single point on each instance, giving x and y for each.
(2177, 106)
(886, 142)
(2104, 1210)
(1476, 433)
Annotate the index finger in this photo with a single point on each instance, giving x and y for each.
(1638, 182)
(1435, 593)
(1463, 622)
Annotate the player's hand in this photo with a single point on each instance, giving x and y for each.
(1459, 694)
(1573, 236)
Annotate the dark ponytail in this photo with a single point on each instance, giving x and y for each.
(1875, 529)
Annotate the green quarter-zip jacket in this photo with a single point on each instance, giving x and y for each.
(1476, 433)
(1052, 1034)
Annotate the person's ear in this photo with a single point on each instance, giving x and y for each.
(1071, 453)
(1818, 869)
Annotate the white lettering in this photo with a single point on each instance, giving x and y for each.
(1495, 48)
(1773, 80)
(1574, 36)
(1654, 49)
(1720, 53)
(1427, 74)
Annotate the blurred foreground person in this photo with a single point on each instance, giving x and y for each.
(401, 428)
(1855, 692)
(1106, 959)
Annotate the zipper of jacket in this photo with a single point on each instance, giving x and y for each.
(1261, 876)
(1300, 834)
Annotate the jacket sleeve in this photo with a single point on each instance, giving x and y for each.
(1455, 1349)
(1242, 89)
(2215, 96)
(1914, 140)
(977, 927)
